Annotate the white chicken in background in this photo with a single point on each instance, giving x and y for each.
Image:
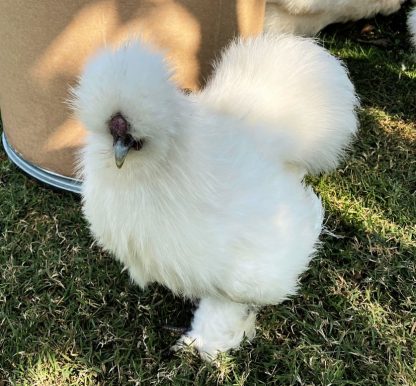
(411, 23)
(204, 193)
(308, 17)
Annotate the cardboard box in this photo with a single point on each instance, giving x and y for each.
(44, 45)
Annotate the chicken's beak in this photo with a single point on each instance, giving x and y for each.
(120, 151)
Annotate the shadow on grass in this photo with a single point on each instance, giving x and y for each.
(388, 88)
(380, 72)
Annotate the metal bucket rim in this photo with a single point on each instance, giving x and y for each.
(46, 176)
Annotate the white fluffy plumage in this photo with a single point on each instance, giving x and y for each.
(411, 23)
(308, 17)
(213, 205)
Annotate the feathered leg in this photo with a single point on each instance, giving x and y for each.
(219, 325)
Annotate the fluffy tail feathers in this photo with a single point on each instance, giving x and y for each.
(295, 90)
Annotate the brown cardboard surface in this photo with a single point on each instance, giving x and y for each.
(44, 44)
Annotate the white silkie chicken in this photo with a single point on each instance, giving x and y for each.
(411, 23)
(203, 193)
(308, 17)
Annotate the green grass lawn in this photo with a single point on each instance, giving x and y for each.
(69, 316)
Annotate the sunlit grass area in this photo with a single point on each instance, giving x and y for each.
(69, 316)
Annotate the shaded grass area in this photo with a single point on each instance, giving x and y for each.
(69, 316)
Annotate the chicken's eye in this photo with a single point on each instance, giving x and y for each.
(138, 144)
